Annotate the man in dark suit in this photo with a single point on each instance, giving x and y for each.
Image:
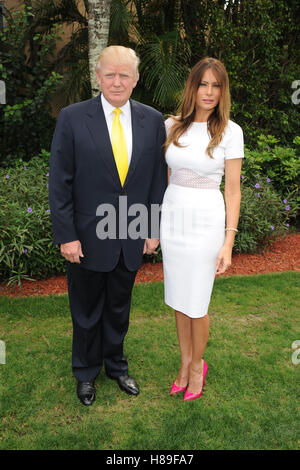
(107, 153)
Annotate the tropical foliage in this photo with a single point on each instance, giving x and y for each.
(26, 121)
(71, 58)
(256, 39)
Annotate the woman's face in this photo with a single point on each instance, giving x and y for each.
(208, 94)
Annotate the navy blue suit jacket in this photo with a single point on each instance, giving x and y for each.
(83, 175)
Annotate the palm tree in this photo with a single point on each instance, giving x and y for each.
(163, 50)
(72, 59)
(98, 26)
(89, 24)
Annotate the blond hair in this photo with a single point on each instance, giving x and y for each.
(121, 54)
(219, 117)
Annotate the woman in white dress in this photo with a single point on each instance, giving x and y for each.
(197, 234)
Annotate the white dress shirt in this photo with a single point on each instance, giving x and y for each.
(125, 118)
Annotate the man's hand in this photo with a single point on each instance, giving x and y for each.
(150, 246)
(71, 251)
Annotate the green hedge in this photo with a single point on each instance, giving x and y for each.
(26, 244)
(280, 164)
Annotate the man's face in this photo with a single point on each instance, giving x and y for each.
(116, 81)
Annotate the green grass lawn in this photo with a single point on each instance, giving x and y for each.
(250, 395)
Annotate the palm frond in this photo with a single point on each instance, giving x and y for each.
(58, 11)
(164, 66)
(120, 18)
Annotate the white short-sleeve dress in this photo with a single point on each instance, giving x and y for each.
(193, 216)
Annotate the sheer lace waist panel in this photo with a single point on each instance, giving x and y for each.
(191, 179)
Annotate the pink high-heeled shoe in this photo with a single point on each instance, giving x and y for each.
(175, 389)
(188, 396)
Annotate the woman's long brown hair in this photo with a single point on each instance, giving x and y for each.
(219, 117)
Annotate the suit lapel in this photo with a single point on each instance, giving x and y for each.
(96, 123)
(137, 123)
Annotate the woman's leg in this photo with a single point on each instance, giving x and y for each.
(199, 334)
(184, 333)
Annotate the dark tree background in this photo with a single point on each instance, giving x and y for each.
(256, 40)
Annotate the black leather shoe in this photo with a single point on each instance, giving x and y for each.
(86, 392)
(128, 384)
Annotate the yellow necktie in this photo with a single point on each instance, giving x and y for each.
(119, 146)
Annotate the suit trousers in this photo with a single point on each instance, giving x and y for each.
(100, 306)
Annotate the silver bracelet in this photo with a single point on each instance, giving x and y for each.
(234, 229)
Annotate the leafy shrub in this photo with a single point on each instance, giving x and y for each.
(264, 215)
(280, 164)
(26, 243)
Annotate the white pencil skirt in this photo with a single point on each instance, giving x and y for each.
(192, 234)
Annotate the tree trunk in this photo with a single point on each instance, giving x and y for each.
(98, 21)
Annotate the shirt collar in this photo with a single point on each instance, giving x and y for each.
(109, 108)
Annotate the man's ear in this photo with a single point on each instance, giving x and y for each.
(137, 79)
(98, 78)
